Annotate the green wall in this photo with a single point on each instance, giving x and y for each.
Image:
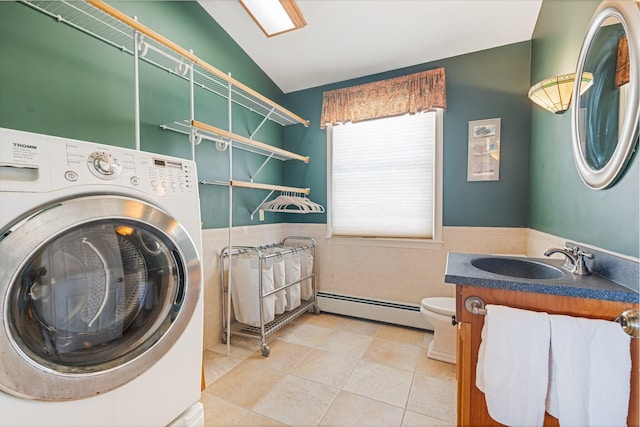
(560, 203)
(481, 85)
(539, 186)
(57, 80)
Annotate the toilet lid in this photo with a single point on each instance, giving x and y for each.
(440, 305)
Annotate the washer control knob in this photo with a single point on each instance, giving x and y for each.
(104, 165)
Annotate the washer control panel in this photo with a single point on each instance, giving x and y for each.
(164, 175)
(31, 162)
(152, 173)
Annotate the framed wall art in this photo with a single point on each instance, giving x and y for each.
(483, 162)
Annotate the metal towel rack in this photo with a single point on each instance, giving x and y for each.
(629, 320)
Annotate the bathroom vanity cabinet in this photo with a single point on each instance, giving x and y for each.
(472, 409)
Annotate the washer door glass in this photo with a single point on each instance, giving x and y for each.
(96, 294)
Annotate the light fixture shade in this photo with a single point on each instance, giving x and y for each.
(554, 93)
(274, 16)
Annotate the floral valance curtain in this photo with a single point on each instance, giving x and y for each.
(393, 97)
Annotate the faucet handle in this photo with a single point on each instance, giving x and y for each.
(581, 253)
(581, 267)
(573, 249)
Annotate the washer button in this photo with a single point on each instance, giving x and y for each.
(71, 176)
(135, 180)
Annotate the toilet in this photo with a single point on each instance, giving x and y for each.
(438, 312)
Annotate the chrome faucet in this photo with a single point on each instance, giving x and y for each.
(574, 259)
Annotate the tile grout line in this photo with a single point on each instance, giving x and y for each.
(406, 403)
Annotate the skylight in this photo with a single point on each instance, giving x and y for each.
(274, 16)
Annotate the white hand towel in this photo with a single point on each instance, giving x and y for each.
(515, 365)
(590, 374)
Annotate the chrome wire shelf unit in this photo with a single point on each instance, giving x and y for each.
(107, 24)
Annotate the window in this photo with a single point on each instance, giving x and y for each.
(385, 177)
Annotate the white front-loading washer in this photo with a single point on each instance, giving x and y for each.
(100, 285)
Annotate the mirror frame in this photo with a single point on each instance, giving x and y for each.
(628, 13)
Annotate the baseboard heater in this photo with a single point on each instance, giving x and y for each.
(381, 311)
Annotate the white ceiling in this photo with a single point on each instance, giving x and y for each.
(346, 39)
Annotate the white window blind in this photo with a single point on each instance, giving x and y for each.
(383, 177)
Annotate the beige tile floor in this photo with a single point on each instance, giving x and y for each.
(329, 370)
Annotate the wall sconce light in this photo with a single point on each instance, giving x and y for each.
(275, 16)
(554, 93)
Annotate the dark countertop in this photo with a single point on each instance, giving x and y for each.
(460, 271)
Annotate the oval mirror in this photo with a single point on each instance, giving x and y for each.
(604, 119)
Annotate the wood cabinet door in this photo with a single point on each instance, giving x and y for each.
(472, 408)
(464, 362)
